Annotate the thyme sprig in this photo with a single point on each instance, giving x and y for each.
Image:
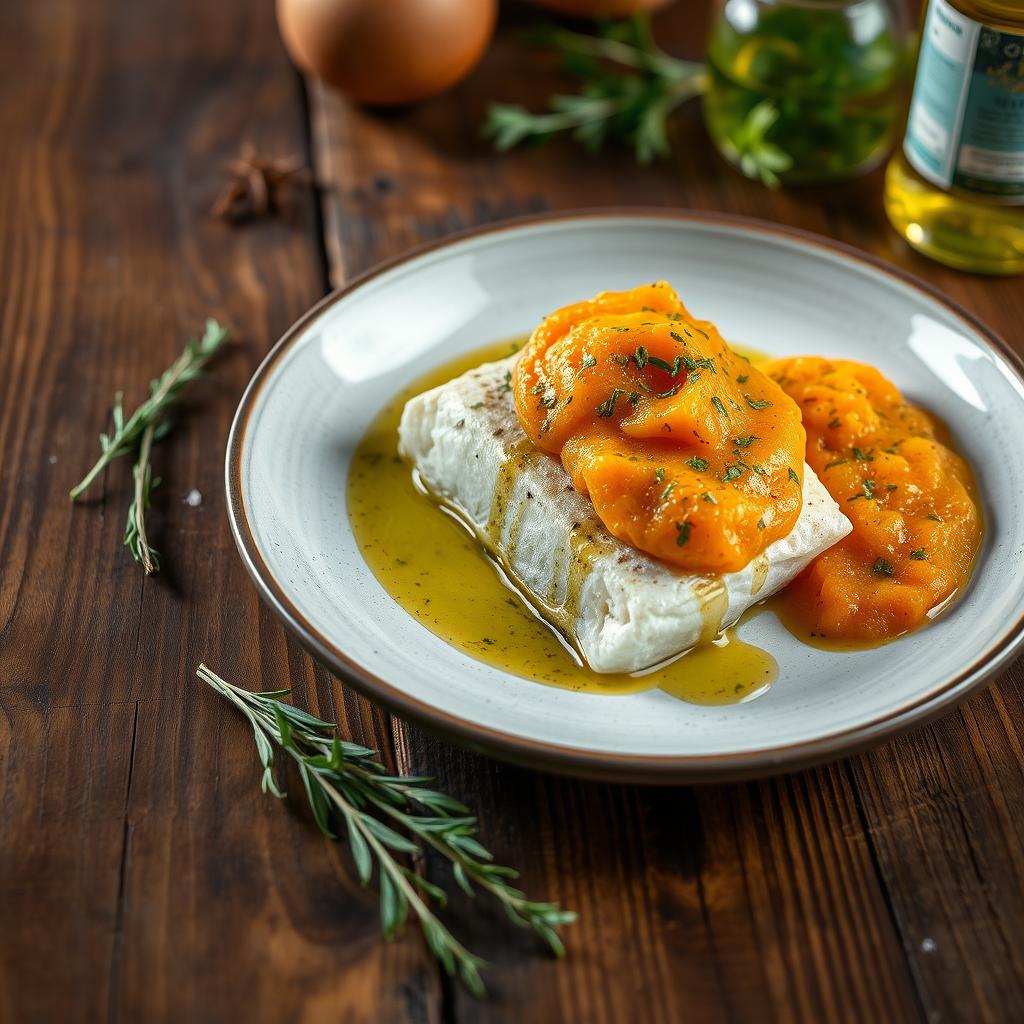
(346, 784)
(164, 392)
(629, 89)
(135, 537)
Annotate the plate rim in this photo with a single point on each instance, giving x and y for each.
(577, 760)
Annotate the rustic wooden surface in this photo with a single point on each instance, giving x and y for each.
(142, 875)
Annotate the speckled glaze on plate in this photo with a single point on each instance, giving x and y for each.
(774, 289)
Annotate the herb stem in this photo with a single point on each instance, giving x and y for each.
(143, 478)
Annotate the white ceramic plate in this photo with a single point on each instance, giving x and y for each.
(773, 289)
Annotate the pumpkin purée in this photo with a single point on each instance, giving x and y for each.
(916, 525)
(685, 450)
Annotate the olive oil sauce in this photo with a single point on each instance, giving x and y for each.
(433, 566)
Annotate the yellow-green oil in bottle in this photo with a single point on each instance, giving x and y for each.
(955, 189)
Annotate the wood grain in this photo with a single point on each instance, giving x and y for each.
(142, 874)
(796, 899)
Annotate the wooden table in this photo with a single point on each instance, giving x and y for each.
(143, 876)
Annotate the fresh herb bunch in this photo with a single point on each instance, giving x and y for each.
(630, 87)
(346, 784)
(147, 425)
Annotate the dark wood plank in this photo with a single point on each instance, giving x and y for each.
(742, 902)
(142, 874)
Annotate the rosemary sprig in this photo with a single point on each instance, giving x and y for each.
(346, 784)
(164, 392)
(135, 538)
(630, 87)
(630, 103)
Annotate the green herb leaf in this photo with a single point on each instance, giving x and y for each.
(717, 403)
(709, 498)
(345, 782)
(589, 361)
(793, 476)
(882, 567)
(732, 473)
(696, 462)
(757, 403)
(920, 555)
(607, 407)
(744, 442)
(683, 529)
(659, 474)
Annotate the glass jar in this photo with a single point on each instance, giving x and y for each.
(805, 91)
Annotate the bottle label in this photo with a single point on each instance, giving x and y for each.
(966, 123)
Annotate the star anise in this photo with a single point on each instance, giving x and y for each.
(259, 186)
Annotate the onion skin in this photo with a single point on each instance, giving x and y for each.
(387, 52)
(601, 8)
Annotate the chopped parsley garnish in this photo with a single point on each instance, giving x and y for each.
(717, 403)
(621, 330)
(634, 397)
(507, 386)
(676, 337)
(692, 364)
(670, 368)
(759, 470)
(892, 487)
(671, 391)
(620, 359)
(793, 476)
(673, 316)
(935, 518)
(868, 492)
(709, 498)
(742, 378)
(659, 474)
(838, 462)
(882, 567)
(744, 442)
(697, 463)
(589, 361)
(732, 473)
(684, 532)
(548, 402)
(640, 357)
(864, 456)
(668, 490)
(834, 423)
(539, 388)
(757, 403)
(920, 555)
(760, 524)
(607, 407)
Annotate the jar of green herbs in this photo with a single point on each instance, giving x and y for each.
(805, 91)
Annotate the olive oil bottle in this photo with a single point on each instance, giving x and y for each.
(955, 190)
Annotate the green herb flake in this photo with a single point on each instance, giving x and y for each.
(684, 529)
(868, 492)
(882, 567)
(589, 361)
(507, 386)
(920, 555)
(793, 476)
(634, 397)
(607, 407)
(935, 518)
(732, 473)
(709, 498)
(659, 474)
(742, 378)
(833, 424)
(717, 403)
(539, 388)
(864, 456)
(622, 360)
(760, 524)
(640, 357)
(671, 391)
(757, 403)
(744, 442)
(477, 405)
(676, 337)
(697, 463)
(670, 368)
(668, 490)
(837, 462)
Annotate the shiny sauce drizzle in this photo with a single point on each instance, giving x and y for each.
(427, 560)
